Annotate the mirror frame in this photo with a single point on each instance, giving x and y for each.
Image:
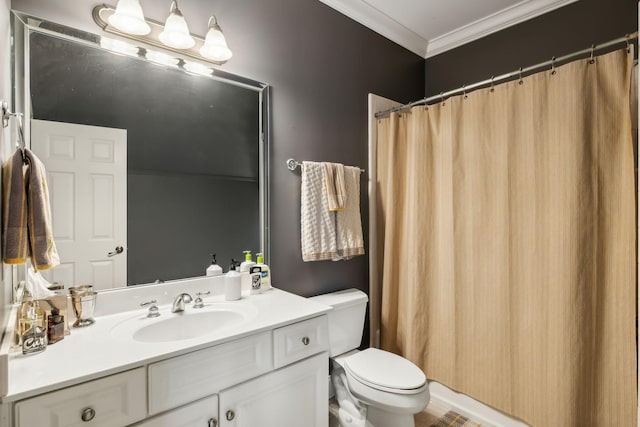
(23, 24)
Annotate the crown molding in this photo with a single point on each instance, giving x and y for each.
(523, 11)
(372, 18)
(362, 12)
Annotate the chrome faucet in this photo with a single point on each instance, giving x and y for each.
(178, 303)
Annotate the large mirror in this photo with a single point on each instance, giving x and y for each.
(153, 162)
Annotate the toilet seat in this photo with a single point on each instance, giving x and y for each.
(385, 371)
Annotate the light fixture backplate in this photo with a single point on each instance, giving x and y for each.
(101, 14)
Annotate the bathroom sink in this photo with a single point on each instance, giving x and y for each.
(186, 325)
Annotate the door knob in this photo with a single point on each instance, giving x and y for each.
(230, 415)
(118, 251)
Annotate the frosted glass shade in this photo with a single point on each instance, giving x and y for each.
(215, 45)
(176, 32)
(129, 18)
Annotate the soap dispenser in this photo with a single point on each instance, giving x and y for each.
(247, 263)
(265, 272)
(214, 269)
(232, 285)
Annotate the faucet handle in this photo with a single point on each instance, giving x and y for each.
(198, 303)
(146, 303)
(153, 308)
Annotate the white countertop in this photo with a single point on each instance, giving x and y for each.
(96, 351)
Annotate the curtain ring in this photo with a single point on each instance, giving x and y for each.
(626, 36)
(520, 74)
(492, 88)
(442, 98)
(592, 59)
(553, 65)
(464, 91)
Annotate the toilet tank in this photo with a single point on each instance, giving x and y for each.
(346, 320)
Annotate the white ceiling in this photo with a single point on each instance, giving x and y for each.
(430, 27)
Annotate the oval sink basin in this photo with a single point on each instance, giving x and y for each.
(182, 326)
(187, 326)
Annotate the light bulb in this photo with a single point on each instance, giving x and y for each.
(215, 45)
(176, 32)
(129, 18)
(197, 68)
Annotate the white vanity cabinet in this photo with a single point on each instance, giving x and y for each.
(273, 373)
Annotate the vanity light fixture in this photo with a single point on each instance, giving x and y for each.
(161, 58)
(215, 45)
(173, 35)
(197, 68)
(129, 18)
(118, 46)
(176, 32)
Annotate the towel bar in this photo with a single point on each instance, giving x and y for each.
(292, 164)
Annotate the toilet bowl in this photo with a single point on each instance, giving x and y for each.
(390, 387)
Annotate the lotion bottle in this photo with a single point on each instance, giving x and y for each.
(232, 285)
(265, 280)
(214, 269)
(247, 263)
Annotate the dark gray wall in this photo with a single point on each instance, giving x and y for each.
(563, 31)
(321, 65)
(173, 240)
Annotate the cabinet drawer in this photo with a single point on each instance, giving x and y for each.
(300, 340)
(193, 376)
(203, 413)
(113, 401)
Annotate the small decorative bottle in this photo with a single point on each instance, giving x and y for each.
(55, 326)
(34, 339)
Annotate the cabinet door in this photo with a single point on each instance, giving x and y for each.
(203, 413)
(294, 396)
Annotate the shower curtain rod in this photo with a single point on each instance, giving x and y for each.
(518, 73)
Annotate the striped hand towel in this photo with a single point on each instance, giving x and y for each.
(14, 208)
(349, 240)
(42, 248)
(27, 214)
(335, 186)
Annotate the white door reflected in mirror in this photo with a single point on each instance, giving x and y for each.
(87, 179)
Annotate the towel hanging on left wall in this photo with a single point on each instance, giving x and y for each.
(27, 227)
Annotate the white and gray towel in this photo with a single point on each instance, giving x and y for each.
(327, 234)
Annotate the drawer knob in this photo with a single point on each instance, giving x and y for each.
(88, 414)
(212, 422)
(306, 340)
(230, 415)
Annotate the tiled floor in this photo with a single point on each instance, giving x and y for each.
(433, 416)
(438, 415)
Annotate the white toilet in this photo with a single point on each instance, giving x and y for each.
(391, 388)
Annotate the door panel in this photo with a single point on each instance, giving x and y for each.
(87, 177)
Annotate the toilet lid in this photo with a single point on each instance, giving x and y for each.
(381, 369)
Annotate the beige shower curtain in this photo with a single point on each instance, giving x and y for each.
(507, 240)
